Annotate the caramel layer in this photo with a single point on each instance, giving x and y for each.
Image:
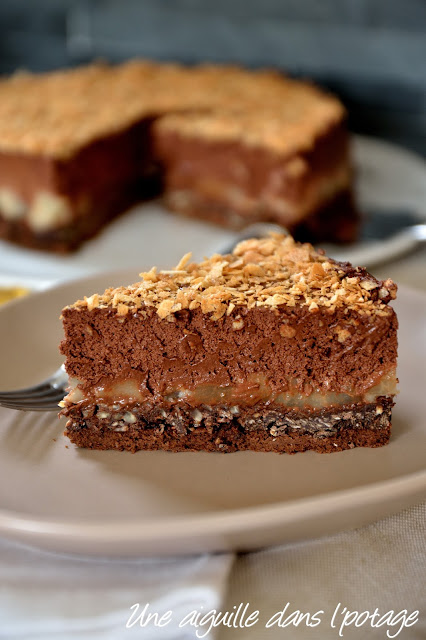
(253, 391)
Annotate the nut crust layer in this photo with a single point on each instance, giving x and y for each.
(221, 430)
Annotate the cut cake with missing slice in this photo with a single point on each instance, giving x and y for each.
(274, 347)
(78, 147)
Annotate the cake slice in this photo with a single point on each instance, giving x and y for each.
(274, 347)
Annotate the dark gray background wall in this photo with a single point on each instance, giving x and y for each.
(371, 52)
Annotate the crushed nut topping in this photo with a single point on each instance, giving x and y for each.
(57, 113)
(288, 274)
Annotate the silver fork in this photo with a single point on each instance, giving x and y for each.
(41, 397)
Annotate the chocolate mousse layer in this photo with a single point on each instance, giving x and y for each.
(273, 347)
(294, 349)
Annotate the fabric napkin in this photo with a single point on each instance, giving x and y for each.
(46, 596)
(382, 565)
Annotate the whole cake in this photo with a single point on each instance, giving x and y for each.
(233, 146)
(274, 347)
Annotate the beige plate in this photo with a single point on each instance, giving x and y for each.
(55, 496)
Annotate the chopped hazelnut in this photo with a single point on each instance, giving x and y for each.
(238, 323)
(317, 271)
(368, 285)
(287, 332)
(342, 334)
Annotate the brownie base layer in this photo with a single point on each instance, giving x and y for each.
(217, 429)
(336, 221)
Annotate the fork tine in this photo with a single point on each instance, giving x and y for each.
(41, 403)
(25, 393)
(53, 386)
(27, 390)
(52, 401)
(41, 397)
(21, 407)
(55, 395)
(35, 392)
(39, 389)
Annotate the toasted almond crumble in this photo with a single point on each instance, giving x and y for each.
(55, 114)
(220, 285)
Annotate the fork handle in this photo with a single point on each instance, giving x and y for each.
(398, 245)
